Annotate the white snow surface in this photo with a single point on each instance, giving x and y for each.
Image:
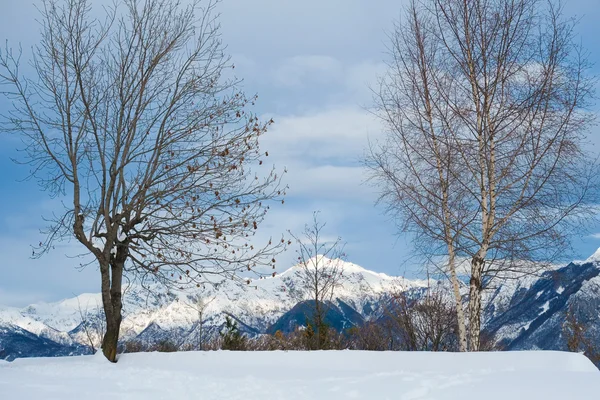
(545, 307)
(305, 375)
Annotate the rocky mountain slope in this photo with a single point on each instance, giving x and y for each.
(533, 316)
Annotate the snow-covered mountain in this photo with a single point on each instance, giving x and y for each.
(526, 313)
(156, 313)
(532, 316)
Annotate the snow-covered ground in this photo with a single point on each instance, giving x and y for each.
(305, 375)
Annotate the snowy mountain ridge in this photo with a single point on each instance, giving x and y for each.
(520, 314)
(255, 305)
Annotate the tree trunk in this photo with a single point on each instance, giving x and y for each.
(475, 288)
(111, 340)
(318, 321)
(460, 315)
(200, 344)
(112, 301)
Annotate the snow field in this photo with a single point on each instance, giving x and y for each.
(305, 375)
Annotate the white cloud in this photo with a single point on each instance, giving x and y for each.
(323, 152)
(341, 82)
(337, 133)
(295, 71)
(327, 182)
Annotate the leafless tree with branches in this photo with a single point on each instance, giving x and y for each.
(92, 324)
(199, 305)
(485, 105)
(321, 272)
(133, 121)
(424, 323)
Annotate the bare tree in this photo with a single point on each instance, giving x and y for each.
(92, 324)
(425, 323)
(577, 336)
(579, 322)
(372, 336)
(133, 122)
(415, 168)
(485, 105)
(321, 273)
(199, 305)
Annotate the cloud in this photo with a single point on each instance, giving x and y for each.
(295, 71)
(338, 215)
(595, 235)
(362, 77)
(343, 82)
(273, 28)
(328, 182)
(323, 135)
(323, 152)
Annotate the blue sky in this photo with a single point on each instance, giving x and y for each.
(311, 62)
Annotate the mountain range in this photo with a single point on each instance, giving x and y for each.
(525, 313)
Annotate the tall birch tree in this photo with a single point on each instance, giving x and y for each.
(485, 106)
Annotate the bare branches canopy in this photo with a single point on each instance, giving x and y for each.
(485, 105)
(138, 121)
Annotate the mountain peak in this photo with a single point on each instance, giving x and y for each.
(594, 258)
(347, 267)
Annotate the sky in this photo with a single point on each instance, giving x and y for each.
(312, 63)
